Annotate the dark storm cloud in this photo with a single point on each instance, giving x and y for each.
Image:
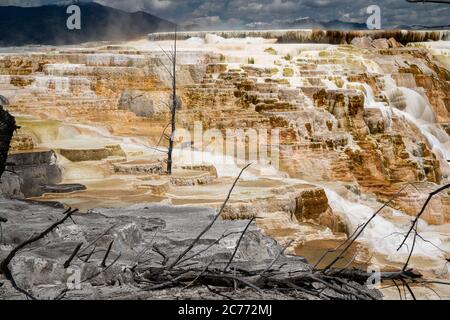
(239, 12)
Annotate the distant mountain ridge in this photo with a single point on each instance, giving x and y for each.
(422, 27)
(311, 23)
(308, 23)
(47, 24)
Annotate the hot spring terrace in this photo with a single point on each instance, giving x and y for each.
(313, 35)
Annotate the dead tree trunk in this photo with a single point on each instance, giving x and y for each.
(7, 129)
(173, 110)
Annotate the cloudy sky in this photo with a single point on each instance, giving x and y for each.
(239, 12)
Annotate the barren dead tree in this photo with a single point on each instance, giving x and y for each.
(172, 56)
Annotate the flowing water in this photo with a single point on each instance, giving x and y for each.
(418, 112)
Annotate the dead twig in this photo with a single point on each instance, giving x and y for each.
(412, 249)
(103, 264)
(414, 223)
(277, 257)
(208, 247)
(208, 227)
(358, 234)
(218, 293)
(4, 265)
(74, 253)
(98, 238)
(337, 248)
(201, 273)
(238, 244)
(90, 255)
(398, 288)
(409, 289)
(103, 270)
(156, 249)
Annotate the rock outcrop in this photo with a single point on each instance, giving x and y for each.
(29, 172)
(77, 155)
(139, 103)
(7, 128)
(382, 43)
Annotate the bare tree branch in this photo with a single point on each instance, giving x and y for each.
(4, 265)
(238, 244)
(74, 253)
(162, 254)
(169, 56)
(174, 107)
(177, 260)
(358, 234)
(103, 264)
(208, 247)
(430, 196)
(277, 257)
(92, 243)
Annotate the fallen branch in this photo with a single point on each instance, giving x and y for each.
(304, 281)
(414, 223)
(162, 254)
(208, 247)
(218, 293)
(277, 257)
(90, 255)
(189, 248)
(98, 238)
(74, 253)
(238, 244)
(361, 277)
(63, 293)
(4, 265)
(203, 271)
(103, 264)
(336, 249)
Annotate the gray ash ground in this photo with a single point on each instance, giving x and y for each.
(39, 268)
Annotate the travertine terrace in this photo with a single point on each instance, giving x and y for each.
(356, 123)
